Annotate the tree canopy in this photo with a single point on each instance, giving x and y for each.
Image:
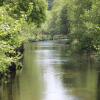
(15, 17)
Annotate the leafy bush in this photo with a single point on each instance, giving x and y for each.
(10, 39)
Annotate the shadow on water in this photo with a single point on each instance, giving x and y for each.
(81, 77)
(98, 87)
(50, 74)
(10, 90)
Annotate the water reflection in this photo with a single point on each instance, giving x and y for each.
(98, 87)
(80, 76)
(10, 91)
(50, 62)
(49, 74)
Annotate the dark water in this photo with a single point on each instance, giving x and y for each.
(49, 74)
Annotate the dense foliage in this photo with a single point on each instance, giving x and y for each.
(80, 20)
(10, 40)
(21, 19)
(15, 19)
(85, 25)
(58, 21)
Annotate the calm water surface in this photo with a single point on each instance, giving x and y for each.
(49, 74)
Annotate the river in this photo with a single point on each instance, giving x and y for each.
(50, 74)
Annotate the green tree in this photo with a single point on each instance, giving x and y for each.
(83, 28)
(64, 20)
(16, 18)
(59, 21)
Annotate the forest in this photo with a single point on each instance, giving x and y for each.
(78, 21)
(54, 38)
(16, 19)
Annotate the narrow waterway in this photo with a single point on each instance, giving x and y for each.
(50, 74)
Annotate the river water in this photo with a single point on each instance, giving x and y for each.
(50, 74)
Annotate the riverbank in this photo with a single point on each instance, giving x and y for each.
(9, 71)
(16, 64)
(49, 74)
(44, 37)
